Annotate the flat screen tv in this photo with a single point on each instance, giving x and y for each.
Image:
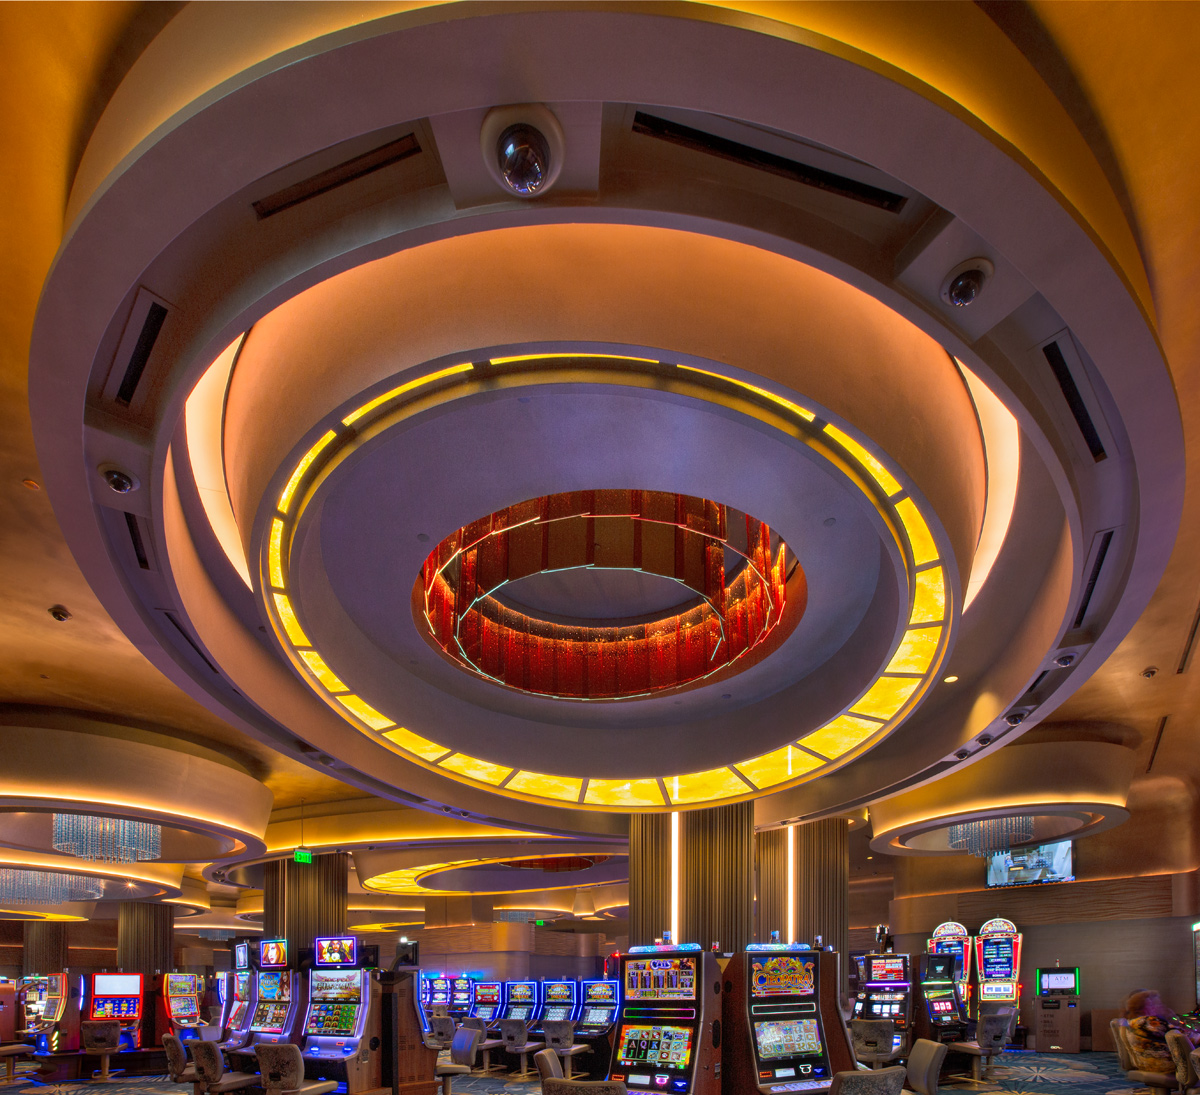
(1030, 866)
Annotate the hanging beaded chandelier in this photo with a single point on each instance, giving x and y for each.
(991, 835)
(20, 887)
(106, 839)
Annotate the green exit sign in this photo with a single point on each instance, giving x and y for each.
(539, 923)
(302, 855)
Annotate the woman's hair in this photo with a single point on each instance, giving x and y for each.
(1145, 1002)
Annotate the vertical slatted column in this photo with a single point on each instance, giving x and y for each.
(717, 883)
(45, 949)
(823, 885)
(649, 876)
(770, 860)
(304, 900)
(146, 945)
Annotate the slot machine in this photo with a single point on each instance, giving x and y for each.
(783, 1030)
(952, 938)
(489, 1002)
(342, 1024)
(242, 992)
(939, 1013)
(439, 996)
(885, 992)
(598, 1011)
(461, 997)
(1058, 1010)
(119, 996)
(31, 1002)
(281, 999)
(56, 1030)
(521, 1001)
(667, 1027)
(179, 1006)
(998, 962)
(559, 1003)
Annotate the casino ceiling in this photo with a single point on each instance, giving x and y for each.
(812, 430)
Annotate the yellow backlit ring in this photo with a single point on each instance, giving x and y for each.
(908, 673)
(407, 881)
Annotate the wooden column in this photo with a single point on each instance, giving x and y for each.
(717, 876)
(45, 949)
(649, 877)
(304, 900)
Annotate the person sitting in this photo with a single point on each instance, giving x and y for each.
(1149, 1020)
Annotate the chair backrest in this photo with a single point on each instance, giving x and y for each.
(100, 1034)
(465, 1043)
(280, 1064)
(176, 1056)
(872, 1036)
(583, 1087)
(548, 1065)
(442, 1027)
(1117, 1027)
(474, 1023)
(1194, 1057)
(1181, 1050)
(925, 1065)
(209, 1061)
(879, 1081)
(560, 1033)
(515, 1032)
(994, 1007)
(992, 1032)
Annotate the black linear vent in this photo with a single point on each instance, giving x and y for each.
(1189, 646)
(190, 641)
(151, 326)
(1090, 588)
(332, 178)
(1058, 365)
(139, 545)
(1040, 677)
(699, 141)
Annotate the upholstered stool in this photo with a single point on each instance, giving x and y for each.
(10, 1055)
(281, 1066)
(101, 1038)
(209, 1062)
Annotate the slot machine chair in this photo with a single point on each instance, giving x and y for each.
(548, 1065)
(442, 1031)
(178, 1067)
(462, 1057)
(515, 1033)
(101, 1038)
(1163, 1081)
(281, 1068)
(991, 1036)
(881, 1081)
(10, 1055)
(583, 1087)
(210, 1067)
(1181, 1055)
(560, 1037)
(925, 1061)
(874, 1041)
(486, 1045)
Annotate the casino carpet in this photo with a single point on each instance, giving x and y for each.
(1015, 1074)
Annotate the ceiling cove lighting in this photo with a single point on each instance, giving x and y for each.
(912, 666)
(20, 887)
(987, 836)
(106, 839)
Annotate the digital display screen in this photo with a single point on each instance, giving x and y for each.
(238, 1015)
(597, 1017)
(781, 975)
(940, 1001)
(335, 985)
(560, 992)
(522, 992)
(241, 956)
(241, 986)
(275, 986)
(886, 968)
(487, 992)
(54, 984)
(778, 1038)
(272, 953)
(116, 984)
(332, 1019)
(999, 990)
(939, 967)
(338, 950)
(181, 984)
(1059, 981)
(596, 992)
(997, 959)
(183, 1007)
(518, 1013)
(461, 990)
(660, 978)
(1027, 866)
(116, 1007)
(558, 1013)
(654, 1046)
(270, 1017)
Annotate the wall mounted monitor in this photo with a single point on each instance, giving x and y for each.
(241, 956)
(1031, 866)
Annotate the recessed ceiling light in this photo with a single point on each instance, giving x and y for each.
(32, 484)
(950, 679)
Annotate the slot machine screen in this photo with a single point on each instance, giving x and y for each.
(939, 967)
(997, 959)
(940, 1001)
(54, 985)
(560, 1001)
(660, 978)
(183, 1007)
(781, 975)
(340, 950)
(886, 969)
(336, 996)
(181, 984)
(778, 1038)
(655, 1046)
(439, 990)
(460, 992)
(241, 956)
(521, 997)
(272, 953)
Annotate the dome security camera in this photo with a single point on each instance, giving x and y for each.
(118, 480)
(523, 148)
(962, 286)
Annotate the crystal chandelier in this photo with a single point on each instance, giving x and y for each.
(990, 835)
(108, 839)
(20, 887)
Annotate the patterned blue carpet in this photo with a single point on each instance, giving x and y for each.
(1014, 1074)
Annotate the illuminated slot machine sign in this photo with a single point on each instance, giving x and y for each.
(335, 951)
(522, 999)
(274, 1002)
(559, 999)
(116, 996)
(998, 961)
(335, 1002)
(183, 997)
(489, 999)
(439, 992)
(241, 1001)
(460, 996)
(952, 938)
(599, 1007)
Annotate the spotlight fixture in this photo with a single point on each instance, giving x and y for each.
(962, 286)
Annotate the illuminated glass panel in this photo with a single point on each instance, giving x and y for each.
(321, 671)
(919, 537)
(291, 625)
(306, 462)
(886, 696)
(787, 404)
(778, 766)
(474, 768)
(873, 467)
(916, 650)
(702, 786)
(929, 596)
(380, 400)
(624, 792)
(415, 744)
(275, 553)
(364, 711)
(534, 783)
(840, 736)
